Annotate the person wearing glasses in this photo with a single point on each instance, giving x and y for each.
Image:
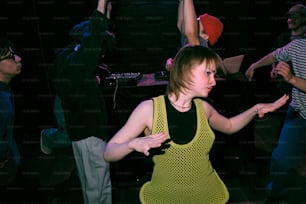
(10, 66)
(290, 150)
(296, 24)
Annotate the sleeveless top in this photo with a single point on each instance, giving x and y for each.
(184, 174)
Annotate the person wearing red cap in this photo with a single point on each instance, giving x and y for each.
(204, 30)
(211, 26)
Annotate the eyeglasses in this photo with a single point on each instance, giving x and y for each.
(11, 55)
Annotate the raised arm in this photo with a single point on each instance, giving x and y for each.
(187, 25)
(180, 16)
(190, 24)
(101, 6)
(236, 123)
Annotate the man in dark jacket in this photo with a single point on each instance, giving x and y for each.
(10, 66)
(83, 103)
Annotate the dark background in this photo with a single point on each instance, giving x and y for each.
(146, 34)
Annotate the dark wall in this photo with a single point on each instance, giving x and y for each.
(146, 32)
(146, 29)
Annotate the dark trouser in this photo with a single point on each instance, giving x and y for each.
(290, 151)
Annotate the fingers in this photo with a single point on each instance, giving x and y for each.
(270, 107)
(282, 68)
(281, 101)
(249, 78)
(283, 64)
(158, 139)
(146, 151)
(249, 74)
(145, 144)
(101, 6)
(273, 73)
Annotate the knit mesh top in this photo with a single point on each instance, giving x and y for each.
(184, 174)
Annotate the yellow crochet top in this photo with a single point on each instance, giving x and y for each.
(184, 174)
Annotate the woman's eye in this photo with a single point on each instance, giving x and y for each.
(208, 73)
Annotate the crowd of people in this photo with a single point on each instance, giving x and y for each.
(175, 129)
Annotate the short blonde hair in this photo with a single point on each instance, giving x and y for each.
(185, 60)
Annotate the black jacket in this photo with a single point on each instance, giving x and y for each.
(75, 82)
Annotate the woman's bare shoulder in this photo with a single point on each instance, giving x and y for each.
(146, 105)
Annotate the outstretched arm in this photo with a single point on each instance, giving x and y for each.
(266, 60)
(236, 123)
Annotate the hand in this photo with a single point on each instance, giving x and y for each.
(283, 69)
(249, 73)
(168, 64)
(98, 79)
(109, 10)
(144, 144)
(273, 73)
(101, 6)
(264, 108)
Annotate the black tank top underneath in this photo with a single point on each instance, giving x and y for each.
(182, 125)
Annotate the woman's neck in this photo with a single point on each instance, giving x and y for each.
(182, 103)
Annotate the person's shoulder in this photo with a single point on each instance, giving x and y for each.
(146, 104)
(298, 42)
(303, 39)
(149, 103)
(207, 102)
(144, 108)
